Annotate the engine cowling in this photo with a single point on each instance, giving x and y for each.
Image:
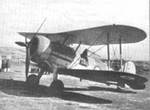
(44, 51)
(39, 45)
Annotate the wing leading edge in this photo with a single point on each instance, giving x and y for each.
(96, 35)
(134, 81)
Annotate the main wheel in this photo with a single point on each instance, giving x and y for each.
(57, 87)
(32, 81)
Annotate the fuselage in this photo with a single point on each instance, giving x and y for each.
(54, 53)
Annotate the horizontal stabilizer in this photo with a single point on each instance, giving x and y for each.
(134, 81)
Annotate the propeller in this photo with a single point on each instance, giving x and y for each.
(27, 45)
(27, 61)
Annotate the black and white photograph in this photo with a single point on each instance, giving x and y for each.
(74, 55)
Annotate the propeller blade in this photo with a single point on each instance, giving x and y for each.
(22, 44)
(27, 61)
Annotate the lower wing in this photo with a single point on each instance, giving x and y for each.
(134, 81)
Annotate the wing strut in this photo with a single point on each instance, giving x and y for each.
(120, 47)
(108, 51)
(78, 47)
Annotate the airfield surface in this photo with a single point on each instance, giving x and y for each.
(78, 95)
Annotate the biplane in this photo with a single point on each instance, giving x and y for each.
(52, 52)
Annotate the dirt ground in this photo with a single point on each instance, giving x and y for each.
(78, 95)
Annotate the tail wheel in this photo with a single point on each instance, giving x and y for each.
(120, 85)
(57, 87)
(32, 81)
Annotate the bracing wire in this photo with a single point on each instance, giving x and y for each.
(74, 64)
(87, 49)
(114, 52)
(96, 50)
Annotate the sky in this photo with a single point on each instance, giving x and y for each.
(64, 15)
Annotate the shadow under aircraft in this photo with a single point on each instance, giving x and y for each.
(19, 88)
(97, 88)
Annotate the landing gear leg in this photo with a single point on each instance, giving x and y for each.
(55, 74)
(56, 86)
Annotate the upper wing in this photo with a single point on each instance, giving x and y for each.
(134, 81)
(97, 35)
